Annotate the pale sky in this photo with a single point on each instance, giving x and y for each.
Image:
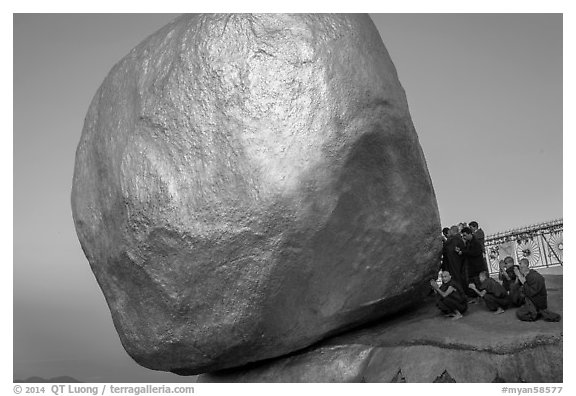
(485, 95)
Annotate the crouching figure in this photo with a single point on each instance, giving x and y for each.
(493, 293)
(451, 298)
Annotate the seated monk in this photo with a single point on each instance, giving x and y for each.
(451, 297)
(492, 292)
(510, 281)
(534, 289)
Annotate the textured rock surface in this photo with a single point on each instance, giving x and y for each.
(421, 346)
(247, 184)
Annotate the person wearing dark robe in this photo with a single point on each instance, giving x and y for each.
(451, 260)
(534, 289)
(477, 232)
(451, 298)
(479, 235)
(493, 293)
(445, 232)
(473, 262)
(510, 282)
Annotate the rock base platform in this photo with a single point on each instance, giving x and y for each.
(421, 345)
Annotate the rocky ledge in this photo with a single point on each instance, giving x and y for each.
(420, 345)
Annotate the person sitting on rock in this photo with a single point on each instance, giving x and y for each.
(492, 292)
(534, 289)
(510, 282)
(451, 298)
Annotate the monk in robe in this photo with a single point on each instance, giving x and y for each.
(493, 293)
(534, 290)
(510, 282)
(451, 260)
(451, 298)
(473, 261)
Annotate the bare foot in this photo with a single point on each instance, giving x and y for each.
(457, 315)
(499, 311)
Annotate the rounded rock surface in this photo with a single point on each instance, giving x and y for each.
(246, 185)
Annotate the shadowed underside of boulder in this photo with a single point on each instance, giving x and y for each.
(421, 346)
(246, 185)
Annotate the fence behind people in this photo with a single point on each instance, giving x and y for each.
(542, 244)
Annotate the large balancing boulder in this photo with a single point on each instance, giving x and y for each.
(246, 185)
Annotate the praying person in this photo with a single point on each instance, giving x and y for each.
(492, 292)
(534, 288)
(451, 299)
(510, 281)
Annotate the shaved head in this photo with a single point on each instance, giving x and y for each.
(523, 264)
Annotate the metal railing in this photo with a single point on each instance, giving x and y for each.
(542, 244)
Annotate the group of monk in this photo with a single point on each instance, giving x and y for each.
(466, 279)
